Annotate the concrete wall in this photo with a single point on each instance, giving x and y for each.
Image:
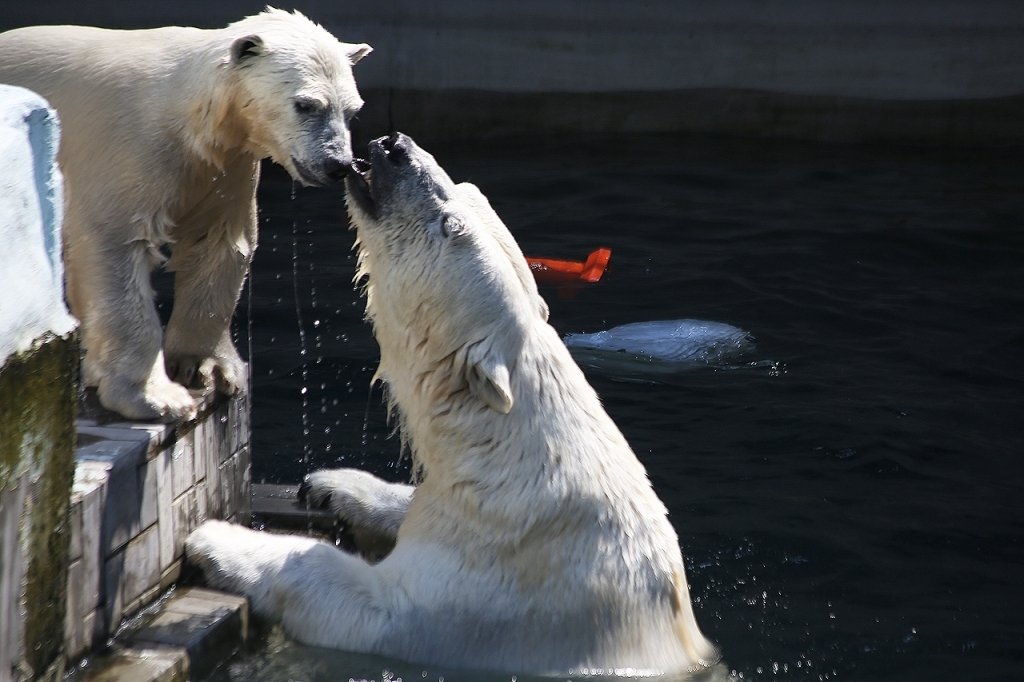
(139, 490)
(919, 69)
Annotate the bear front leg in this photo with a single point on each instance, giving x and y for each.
(198, 345)
(371, 509)
(319, 594)
(210, 259)
(110, 293)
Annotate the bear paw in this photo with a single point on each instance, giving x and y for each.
(158, 399)
(223, 372)
(227, 554)
(213, 545)
(241, 560)
(371, 509)
(350, 493)
(201, 547)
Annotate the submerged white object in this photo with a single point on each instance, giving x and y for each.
(670, 341)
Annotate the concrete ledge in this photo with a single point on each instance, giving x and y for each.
(183, 637)
(209, 626)
(139, 490)
(278, 506)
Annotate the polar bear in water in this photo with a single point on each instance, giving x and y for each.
(534, 542)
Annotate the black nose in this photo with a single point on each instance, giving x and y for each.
(336, 169)
(396, 147)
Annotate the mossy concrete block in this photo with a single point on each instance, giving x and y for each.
(12, 568)
(199, 454)
(238, 418)
(188, 512)
(37, 406)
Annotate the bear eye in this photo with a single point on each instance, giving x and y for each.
(307, 106)
(448, 225)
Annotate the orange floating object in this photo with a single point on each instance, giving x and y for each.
(555, 271)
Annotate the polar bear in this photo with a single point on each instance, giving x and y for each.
(534, 542)
(163, 130)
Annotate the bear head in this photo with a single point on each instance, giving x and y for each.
(443, 276)
(296, 93)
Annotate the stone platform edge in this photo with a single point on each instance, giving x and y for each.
(139, 490)
(185, 635)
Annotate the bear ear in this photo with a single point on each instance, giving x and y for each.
(543, 306)
(355, 52)
(246, 47)
(489, 382)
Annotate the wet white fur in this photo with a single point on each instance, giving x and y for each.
(534, 542)
(162, 133)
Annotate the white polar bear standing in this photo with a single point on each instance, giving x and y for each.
(534, 543)
(163, 130)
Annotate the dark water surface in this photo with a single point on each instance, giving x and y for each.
(850, 505)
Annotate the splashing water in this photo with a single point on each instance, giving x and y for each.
(303, 351)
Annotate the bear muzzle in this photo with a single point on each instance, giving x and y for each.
(384, 155)
(336, 168)
(331, 170)
(357, 185)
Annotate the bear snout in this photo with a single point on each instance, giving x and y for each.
(336, 168)
(394, 147)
